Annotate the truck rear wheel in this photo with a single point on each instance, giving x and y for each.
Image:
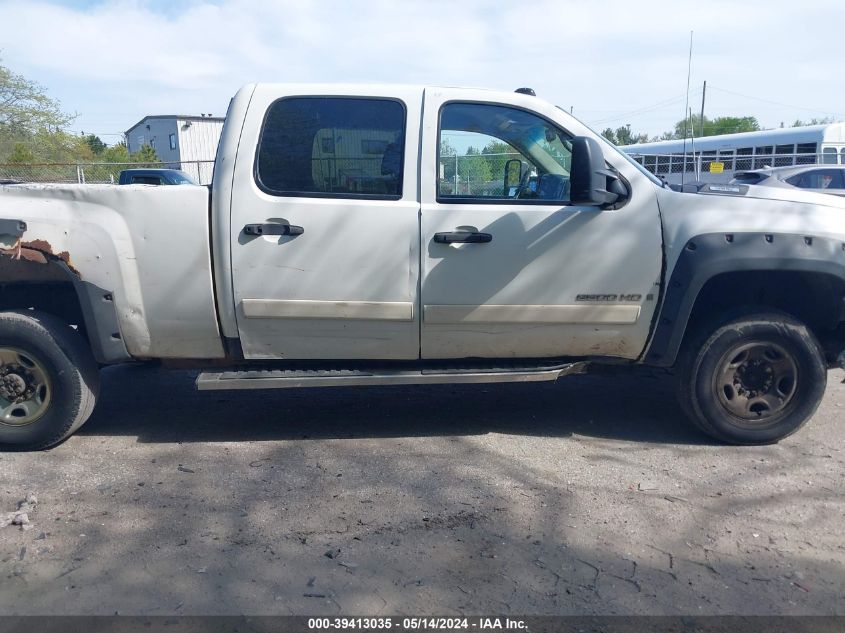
(48, 380)
(754, 380)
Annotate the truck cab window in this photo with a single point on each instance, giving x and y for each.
(332, 147)
(494, 152)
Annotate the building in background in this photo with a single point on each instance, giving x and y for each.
(182, 141)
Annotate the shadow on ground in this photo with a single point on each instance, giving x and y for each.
(158, 405)
(591, 496)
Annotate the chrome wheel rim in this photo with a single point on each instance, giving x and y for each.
(756, 381)
(25, 388)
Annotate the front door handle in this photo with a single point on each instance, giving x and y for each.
(462, 237)
(273, 229)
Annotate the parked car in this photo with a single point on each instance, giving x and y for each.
(818, 178)
(327, 253)
(155, 177)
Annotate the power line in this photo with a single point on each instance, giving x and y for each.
(96, 133)
(646, 109)
(778, 103)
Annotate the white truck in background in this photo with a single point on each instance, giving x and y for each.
(332, 249)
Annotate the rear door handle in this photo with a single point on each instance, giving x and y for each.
(273, 229)
(462, 237)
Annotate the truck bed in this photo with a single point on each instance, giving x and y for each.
(147, 246)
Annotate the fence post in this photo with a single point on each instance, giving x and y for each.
(78, 175)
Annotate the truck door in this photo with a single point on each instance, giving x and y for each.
(325, 226)
(512, 269)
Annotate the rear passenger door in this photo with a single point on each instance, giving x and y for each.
(324, 226)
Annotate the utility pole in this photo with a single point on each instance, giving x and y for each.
(703, 94)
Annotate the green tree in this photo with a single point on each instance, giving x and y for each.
(21, 154)
(110, 162)
(57, 146)
(731, 125)
(25, 110)
(691, 126)
(115, 154)
(497, 154)
(814, 121)
(473, 170)
(25, 107)
(624, 136)
(95, 143)
(31, 124)
(145, 155)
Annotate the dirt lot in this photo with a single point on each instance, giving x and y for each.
(591, 496)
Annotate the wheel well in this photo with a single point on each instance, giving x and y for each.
(58, 298)
(31, 278)
(40, 281)
(816, 299)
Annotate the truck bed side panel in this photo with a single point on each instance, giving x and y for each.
(147, 245)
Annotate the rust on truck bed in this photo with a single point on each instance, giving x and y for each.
(38, 252)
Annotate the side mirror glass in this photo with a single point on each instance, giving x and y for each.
(591, 182)
(512, 178)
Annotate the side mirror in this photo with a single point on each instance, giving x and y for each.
(591, 182)
(513, 176)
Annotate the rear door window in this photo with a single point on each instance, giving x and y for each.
(342, 147)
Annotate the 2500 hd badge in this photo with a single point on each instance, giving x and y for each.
(612, 298)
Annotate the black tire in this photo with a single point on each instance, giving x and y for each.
(754, 380)
(72, 376)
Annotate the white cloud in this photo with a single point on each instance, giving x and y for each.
(116, 61)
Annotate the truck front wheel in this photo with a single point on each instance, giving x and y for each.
(754, 380)
(48, 380)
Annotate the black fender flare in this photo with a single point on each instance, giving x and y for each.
(706, 256)
(34, 263)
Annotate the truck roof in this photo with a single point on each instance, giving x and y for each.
(354, 88)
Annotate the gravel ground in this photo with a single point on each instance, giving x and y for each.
(589, 496)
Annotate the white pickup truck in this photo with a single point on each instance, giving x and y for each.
(338, 245)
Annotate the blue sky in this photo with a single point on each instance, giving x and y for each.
(612, 61)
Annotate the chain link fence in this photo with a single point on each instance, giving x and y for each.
(477, 175)
(97, 173)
